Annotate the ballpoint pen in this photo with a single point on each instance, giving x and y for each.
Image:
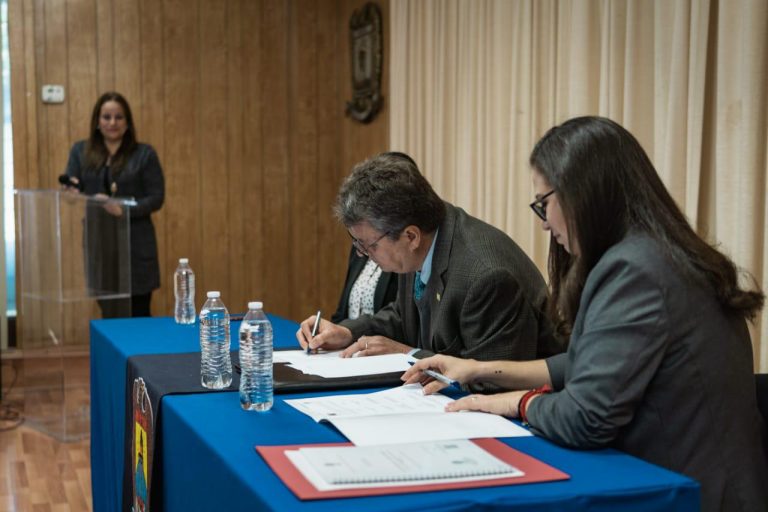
(314, 330)
(440, 377)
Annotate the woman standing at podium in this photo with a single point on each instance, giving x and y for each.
(112, 163)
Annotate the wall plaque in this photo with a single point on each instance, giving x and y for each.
(366, 59)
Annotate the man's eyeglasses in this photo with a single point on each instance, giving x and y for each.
(539, 207)
(362, 249)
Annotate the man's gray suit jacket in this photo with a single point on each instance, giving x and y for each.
(485, 298)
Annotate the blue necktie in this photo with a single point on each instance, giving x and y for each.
(418, 286)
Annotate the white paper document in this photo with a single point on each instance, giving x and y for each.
(349, 467)
(330, 364)
(403, 415)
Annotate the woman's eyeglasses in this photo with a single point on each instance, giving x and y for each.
(539, 206)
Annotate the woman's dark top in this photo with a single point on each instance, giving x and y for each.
(141, 179)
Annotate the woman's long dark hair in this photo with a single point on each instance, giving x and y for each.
(96, 152)
(606, 185)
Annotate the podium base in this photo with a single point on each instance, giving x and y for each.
(56, 392)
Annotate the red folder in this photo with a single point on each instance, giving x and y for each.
(535, 471)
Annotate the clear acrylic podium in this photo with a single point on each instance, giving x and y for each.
(72, 253)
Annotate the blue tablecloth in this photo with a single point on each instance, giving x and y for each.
(208, 461)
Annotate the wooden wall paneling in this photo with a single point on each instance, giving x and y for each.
(250, 90)
(356, 141)
(241, 198)
(251, 264)
(127, 54)
(56, 71)
(152, 108)
(85, 91)
(81, 92)
(16, 36)
(212, 147)
(23, 107)
(303, 178)
(183, 207)
(41, 123)
(380, 138)
(279, 286)
(36, 180)
(105, 46)
(332, 240)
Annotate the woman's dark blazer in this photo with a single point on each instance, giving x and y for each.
(386, 288)
(141, 179)
(658, 369)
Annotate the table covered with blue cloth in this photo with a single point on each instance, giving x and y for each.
(208, 461)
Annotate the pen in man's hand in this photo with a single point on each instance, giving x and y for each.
(440, 377)
(314, 330)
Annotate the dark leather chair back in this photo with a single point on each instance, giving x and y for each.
(761, 384)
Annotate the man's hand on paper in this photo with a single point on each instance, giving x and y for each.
(329, 335)
(462, 370)
(375, 346)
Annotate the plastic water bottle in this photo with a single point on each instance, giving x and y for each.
(256, 360)
(215, 363)
(184, 289)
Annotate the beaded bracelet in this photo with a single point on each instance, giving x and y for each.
(523, 403)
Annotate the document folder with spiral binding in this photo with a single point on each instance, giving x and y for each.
(525, 468)
(344, 467)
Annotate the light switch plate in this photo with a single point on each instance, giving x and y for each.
(53, 94)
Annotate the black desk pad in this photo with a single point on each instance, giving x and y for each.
(291, 380)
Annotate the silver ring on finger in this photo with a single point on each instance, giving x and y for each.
(366, 344)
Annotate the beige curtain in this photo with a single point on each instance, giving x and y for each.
(475, 83)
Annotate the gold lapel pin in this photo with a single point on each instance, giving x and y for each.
(438, 297)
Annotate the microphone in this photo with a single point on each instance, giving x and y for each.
(69, 181)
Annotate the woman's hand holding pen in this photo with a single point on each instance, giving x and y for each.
(375, 346)
(329, 335)
(461, 370)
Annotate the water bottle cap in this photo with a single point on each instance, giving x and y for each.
(256, 304)
(214, 295)
(183, 261)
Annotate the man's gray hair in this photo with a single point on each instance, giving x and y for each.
(389, 193)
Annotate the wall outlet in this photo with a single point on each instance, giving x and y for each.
(53, 94)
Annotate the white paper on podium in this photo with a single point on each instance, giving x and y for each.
(330, 365)
(403, 415)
